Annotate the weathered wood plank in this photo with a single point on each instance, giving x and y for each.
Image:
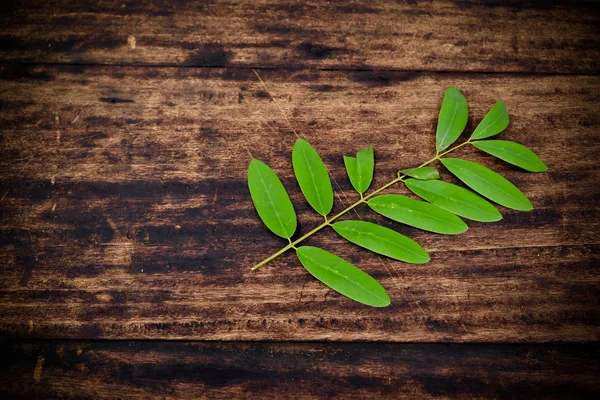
(494, 35)
(73, 370)
(125, 212)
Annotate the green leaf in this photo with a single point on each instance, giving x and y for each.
(422, 173)
(513, 153)
(382, 240)
(488, 183)
(455, 199)
(495, 121)
(360, 169)
(416, 213)
(271, 200)
(452, 119)
(312, 177)
(342, 276)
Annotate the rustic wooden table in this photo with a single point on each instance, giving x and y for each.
(127, 230)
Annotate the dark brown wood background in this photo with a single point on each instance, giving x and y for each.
(126, 131)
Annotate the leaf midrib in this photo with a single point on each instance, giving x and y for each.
(475, 206)
(385, 240)
(393, 206)
(271, 204)
(312, 178)
(487, 127)
(477, 176)
(451, 120)
(510, 152)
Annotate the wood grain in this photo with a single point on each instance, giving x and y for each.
(500, 36)
(125, 211)
(75, 370)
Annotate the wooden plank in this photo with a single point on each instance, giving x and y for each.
(496, 35)
(125, 212)
(100, 369)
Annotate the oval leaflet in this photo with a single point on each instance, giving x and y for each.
(271, 200)
(312, 177)
(416, 213)
(494, 122)
(513, 153)
(452, 119)
(455, 199)
(342, 276)
(488, 183)
(382, 240)
(422, 173)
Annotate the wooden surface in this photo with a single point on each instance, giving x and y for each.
(133, 219)
(126, 129)
(499, 36)
(67, 369)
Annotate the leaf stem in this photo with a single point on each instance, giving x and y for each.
(363, 199)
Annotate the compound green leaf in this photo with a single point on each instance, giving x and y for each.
(271, 200)
(495, 121)
(312, 177)
(452, 119)
(342, 276)
(382, 240)
(513, 153)
(422, 173)
(416, 213)
(488, 183)
(360, 169)
(455, 199)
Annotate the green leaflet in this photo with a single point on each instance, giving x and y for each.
(513, 153)
(342, 276)
(271, 200)
(495, 121)
(488, 183)
(422, 173)
(417, 213)
(360, 169)
(382, 240)
(452, 119)
(312, 177)
(455, 199)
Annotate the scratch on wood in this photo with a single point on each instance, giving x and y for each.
(37, 371)
(303, 285)
(21, 170)
(276, 103)
(248, 150)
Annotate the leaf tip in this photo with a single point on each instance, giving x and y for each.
(383, 301)
(527, 206)
(384, 304)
